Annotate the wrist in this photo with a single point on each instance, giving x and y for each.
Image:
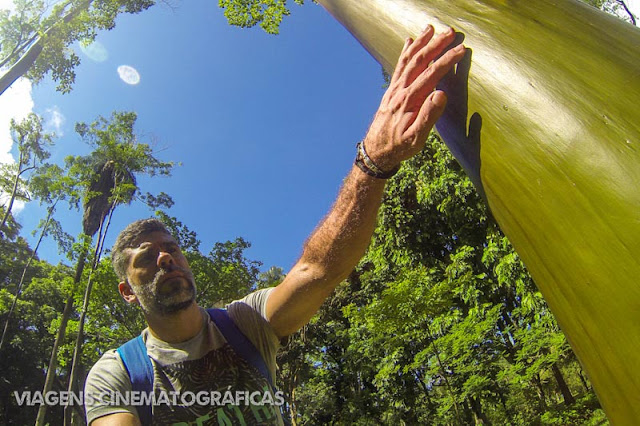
(368, 166)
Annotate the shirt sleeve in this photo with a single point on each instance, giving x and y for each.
(248, 314)
(106, 381)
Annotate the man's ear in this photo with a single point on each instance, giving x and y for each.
(127, 293)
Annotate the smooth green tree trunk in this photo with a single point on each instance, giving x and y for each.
(555, 86)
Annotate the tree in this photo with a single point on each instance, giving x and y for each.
(28, 338)
(266, 13)
(107, 177)
(49, 186)
(572, 219)
(36, 36)
(31, 144)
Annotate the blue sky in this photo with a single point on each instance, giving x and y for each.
(265, 126)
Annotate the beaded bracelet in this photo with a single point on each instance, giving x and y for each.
(364, 162)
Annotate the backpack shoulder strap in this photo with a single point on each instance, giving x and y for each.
(239, 342)
(138, 365)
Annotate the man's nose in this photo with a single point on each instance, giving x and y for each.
(165, 260)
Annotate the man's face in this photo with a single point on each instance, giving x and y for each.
(159, 275)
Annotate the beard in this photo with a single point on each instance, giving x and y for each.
(167, 296)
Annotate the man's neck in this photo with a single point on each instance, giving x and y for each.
(176, 328)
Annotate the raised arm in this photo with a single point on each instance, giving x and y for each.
(408, 111)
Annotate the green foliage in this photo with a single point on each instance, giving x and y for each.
(107, 176)
(29, 345)
(35, 37)
(439, 324)
(248, 13)
(31, 145)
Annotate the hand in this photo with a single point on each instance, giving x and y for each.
(410, 107)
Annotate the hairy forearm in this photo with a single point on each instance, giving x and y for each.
(329, 255)
(342, 237)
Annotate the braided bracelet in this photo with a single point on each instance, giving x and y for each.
(364, 162)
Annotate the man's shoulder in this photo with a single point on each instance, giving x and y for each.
(106, 378)
(256, 300)
(107, 369)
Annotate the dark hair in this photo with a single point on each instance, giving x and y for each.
(119, 255)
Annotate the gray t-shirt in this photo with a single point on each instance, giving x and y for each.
(206, 366)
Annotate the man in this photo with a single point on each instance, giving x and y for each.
(187, 349)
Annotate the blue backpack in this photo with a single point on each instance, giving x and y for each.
(137, 363)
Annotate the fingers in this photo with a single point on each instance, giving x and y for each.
(423, 55)
(409, 50)
(403, 60)
(429, 113)
(429, 78)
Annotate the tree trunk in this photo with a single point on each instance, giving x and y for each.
(53, 361)
(554, 83)
(479, 417)
(541, 394)
(583, 380)
(14, 191)
(20, 68)
(77, 353)
(562, 385)
(29, 58)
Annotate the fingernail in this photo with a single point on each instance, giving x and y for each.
(438, 99)
(427, 28)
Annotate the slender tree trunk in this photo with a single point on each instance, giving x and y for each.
(562, 385)
(24, 273)
(425, 390)
(479, 416)
(77, 353)
(292, 394)
(14, 191)
(541, 394)
(18, 69)
(583, 380)
(53, 361)
(443, 373)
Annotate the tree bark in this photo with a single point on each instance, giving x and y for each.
(562, 385)
(568, 196)
(541, 395)
(77, 353)
(53, 361)
(21, 67)
(480, 418)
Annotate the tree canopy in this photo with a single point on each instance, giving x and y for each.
(35, 37)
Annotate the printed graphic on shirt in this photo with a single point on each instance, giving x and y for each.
(223, 390)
